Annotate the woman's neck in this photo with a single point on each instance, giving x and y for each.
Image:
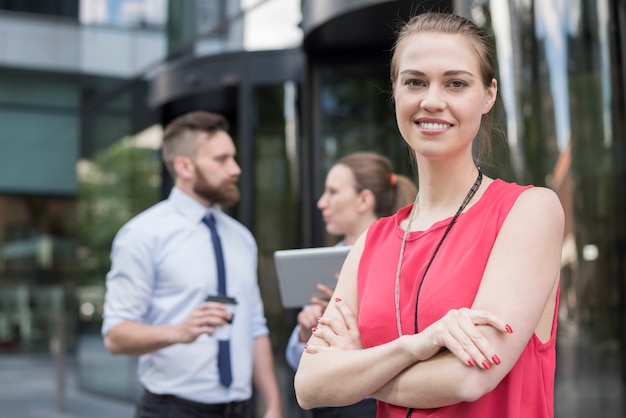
(442, 184)
(441, 192)
(350, 237)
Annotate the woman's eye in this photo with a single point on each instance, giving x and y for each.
(457, 84)
(412, 82)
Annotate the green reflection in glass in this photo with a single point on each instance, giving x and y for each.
(114, 185)
(357, 114)
(276, 193)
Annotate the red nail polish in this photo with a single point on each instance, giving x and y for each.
(486, 364)
(306, 346)
(495, 359)
(337, 299)
(471, 362)
(313, 329)
(508, 329)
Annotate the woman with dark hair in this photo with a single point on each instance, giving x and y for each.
(360, 188)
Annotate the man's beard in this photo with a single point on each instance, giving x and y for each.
(226, 194)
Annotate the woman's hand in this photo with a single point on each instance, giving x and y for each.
(340, 333)
(458, 332)
(308, 316)
(327, 293)
(307, 319)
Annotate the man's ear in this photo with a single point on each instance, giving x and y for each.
(184, 168)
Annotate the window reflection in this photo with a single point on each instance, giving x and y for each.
(357, 114)
(553, 28)
(124, 13)
(115, 183)
(558, 96)
(277, 206)
(36, 263)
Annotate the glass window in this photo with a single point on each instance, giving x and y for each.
(559, 73)
(277, 211)
(357, 114)
(119, 175)
(37, 263)
(124, 13)
(115, 184)
(65, 8)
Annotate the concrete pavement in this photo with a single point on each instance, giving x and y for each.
(28, 390)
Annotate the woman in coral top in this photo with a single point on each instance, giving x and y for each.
(447, 308)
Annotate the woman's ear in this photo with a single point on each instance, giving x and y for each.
(367, 200)
(490, 96)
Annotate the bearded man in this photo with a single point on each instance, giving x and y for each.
(182, 291)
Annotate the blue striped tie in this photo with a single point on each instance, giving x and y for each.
(223, 354)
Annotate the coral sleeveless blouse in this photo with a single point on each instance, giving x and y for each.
(451, 283)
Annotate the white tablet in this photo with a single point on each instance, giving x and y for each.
(299, 271)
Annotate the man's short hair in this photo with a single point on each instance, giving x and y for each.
(180, 136)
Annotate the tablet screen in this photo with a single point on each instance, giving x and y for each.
(299, 271)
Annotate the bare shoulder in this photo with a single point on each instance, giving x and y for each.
(542, 197)
(538, 204)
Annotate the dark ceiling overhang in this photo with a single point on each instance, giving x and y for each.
(332, 26)
(183, 78)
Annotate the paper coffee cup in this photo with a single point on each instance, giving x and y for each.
(222, 332)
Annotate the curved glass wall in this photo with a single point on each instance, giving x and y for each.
(357, 114)
(210, 27)
(277, 209)
(561, 76)
(355, 110)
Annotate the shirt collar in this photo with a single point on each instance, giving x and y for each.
(189, 207)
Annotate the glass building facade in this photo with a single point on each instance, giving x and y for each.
(296, 103)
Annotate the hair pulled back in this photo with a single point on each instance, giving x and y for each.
(451, 24)
(374, 172)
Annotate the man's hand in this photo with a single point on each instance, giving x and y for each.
(136, 338)
(202, 320)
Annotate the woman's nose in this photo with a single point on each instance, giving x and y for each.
(321, 202)
(433, 99)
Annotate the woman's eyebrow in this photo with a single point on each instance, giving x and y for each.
(446, 73)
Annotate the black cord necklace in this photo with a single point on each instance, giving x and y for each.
(464, 204)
